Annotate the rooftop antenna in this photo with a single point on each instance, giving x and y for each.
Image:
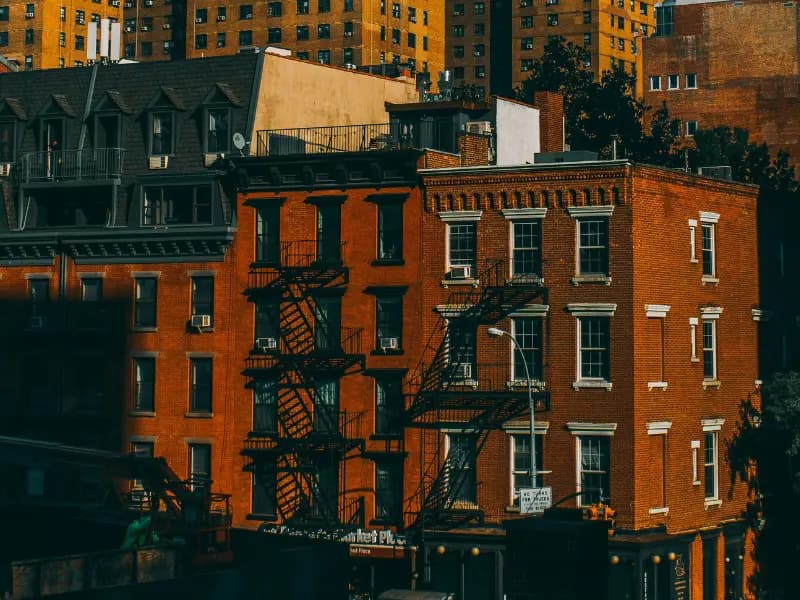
(110, 38)
(239, 142)
(91, 45)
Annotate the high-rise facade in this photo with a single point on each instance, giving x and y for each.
(336, 32)
(46, 35)
(492, 45)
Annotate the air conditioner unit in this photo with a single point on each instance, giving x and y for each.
(5, 169)
(159, 162)
(115, 3)
(463, 371)
(129, 28)
(389, 343)
(529, 46)
(199, 20)
(248, 16)
(460, 272)
(145, 28)
(481, 127)
(221, 17)
(201, 320)
(266, 344)
(348, 34)
(148, 2)
(720, 172)
(81, 21)
(29, 15)
(37, 322)
(167, 26)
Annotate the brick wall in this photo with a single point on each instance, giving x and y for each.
(551, 120)
(474, 149)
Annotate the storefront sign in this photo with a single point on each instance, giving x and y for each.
(376, 537)
(371, 551)
(535, 500)
(680, 578)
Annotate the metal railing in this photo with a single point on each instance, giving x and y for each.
(316, 140)
(71, 165)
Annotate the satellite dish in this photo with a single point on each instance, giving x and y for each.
(238, 141)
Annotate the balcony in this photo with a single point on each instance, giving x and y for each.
(307, 262)
(97, 164)
(337, 430)
(320, 140)
(334, 351)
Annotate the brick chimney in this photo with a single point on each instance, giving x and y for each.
(474, 149)
(551, 120)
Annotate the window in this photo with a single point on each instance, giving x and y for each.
(268, 233)
(348, 30)
(245, 38)
(479, 29)
(461, 461)
(664, 21)
(655, 83)
(552, 20)
(458, 51)
(526, 248)
(200, 466)
(388, 405)
(144, 311)
(28, 62)
(642, 8)
(327, 324)
(593, 246)
(201, 15)
(461, 350)
(693, 322)
(130, 49)
(62, 39)
(521, 463)
(218, 129)
(348, 7)
(390, 231)
(587, 17)
(708, 242)
(593, 470)
(91, 289)
(302, 7)
(691, 81)
(265, 406)
(201, 41)
(621, 46)
(8, 136)
(4, 13)
(80, 17)
(479, 8)
(203, 296)
(672, 81)
(458, 30)
(162, 132)
(326, 406)
(302, 55)
(620, 23)
(478, 49)
(480, 72)
(388, 490)
(246, 11)
(526, 64)
(264, 482)
(3, 38)
(302, 32)
(412, 40)
(200, 393)
(348, 56)
(424, 17)
(691, 128)
(29, 36)
(710, 465)
(324, 57)
(594, 361)
(525, 3)
(221, 39)
(395, 10)
(383, 7)
(462, 243)
(709, 349)
(587, 39)
(144, 368)
(39, 295)
(177, 205)
(30, 11)
(389, 322)
(145, 449)
(275, 9)
(412, 14)
(222, 13)
(323, 31)
(526, 43)
(383, 33)
(528, 333)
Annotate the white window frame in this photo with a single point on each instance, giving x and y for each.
(458, 217)
(693, 240)
(513, 216)
(530, 311)
(695, 445)
(710, 220)
(451, 432)
(654, 79)
(712, 427)
(515, 428)
(660, 428)
(689, 125)
(691, 87)
(658, 311)
(693, 322)
(587, 212)
(677, 81)
(579, 430)
(710, 315)
(589, 310)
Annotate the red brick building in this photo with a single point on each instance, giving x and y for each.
(731, 64)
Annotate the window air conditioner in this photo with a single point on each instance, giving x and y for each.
(199, 20)
(167, 26)
(221, 17)
(529, 46)
(201, 320)
(145, 27)
(115, 3)
(37, 322)
(348, 34)
(159, 162)
(481, 127)
(461, 272)
(5, 169)
(129, 28)
(81, 21)
(148, 2)
(464, 371)
(390, 343)
(29, 15)
(266, 344)
(248, 16)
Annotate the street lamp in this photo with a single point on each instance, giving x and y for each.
(495, 332)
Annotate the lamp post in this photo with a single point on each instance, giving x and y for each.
(495, 332)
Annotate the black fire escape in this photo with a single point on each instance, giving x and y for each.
(302, 439)
(451, 390)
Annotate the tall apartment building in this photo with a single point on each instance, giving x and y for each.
(492, 45)
(341, 33)
(46, 35)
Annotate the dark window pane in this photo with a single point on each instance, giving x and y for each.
(145, 302)
(389, 322)
(390, 231)
(144, 384)
(388, 490)
(268, 233)
(265, 403)
(593, 246)
(388, 405)
(200, 465)
(203, 296)
(200, 400)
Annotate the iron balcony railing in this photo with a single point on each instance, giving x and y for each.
(71, 165)
(316, 140)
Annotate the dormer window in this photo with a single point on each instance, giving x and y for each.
(8, 139)
(218, 132)
(162, 132)
(107, 130)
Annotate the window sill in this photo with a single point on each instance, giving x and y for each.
(388, 262)
(536, 384)
(709, 503)
(471, 282)
(379, 352)
(198, 415)
(711, 383)
(708, 280)
(261, 517)
(525, 280)
(663, 510)
(579, 279)
(144, 329)
(656, 385)
(142, 413)
(592, 384)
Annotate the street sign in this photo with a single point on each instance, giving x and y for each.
(535, 500)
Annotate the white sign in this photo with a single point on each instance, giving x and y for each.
(535, 500)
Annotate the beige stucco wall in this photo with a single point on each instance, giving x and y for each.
(298, 93)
